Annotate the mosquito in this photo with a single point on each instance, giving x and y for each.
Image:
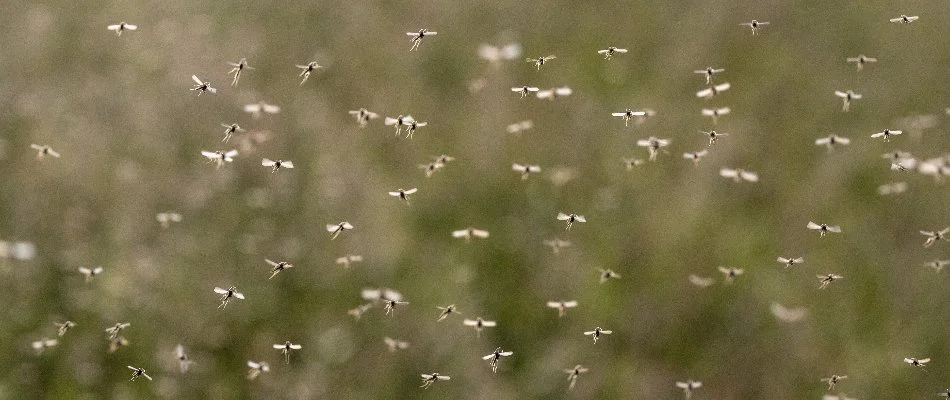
(449, 309)
(715, 113)
(238, 67)
(495, 356)
(479, 324)
(430, 168)
(713, 136)
(833, 380)
(63, 327)
(395, 345)
(827, 279)
(495, 55)
(755, 25)
(276, 165)
(336, 229)
(689, 386)
(43, 151)
(886, 134)
(629, 114)
(630, 163)
(846, 98)
(608, 274)
(739, 175)
(823, 229)
(90, 273)
(345, 261)
(403, 193)
(137, 372)
(789, 262)
(712, 91)
(260, 107)
(917, 363)
(469, 233)
(219, 157)
(390, 305)
(524, 90)
(609, 52)
(653, 145)
(554, 93)
(936, 265)
(122, 27)
(572, 375)
(41, 345)
(556, 245)
(363, 116)
(831, 141)
(256, 368)
(861, 60)
(700, 281)
(416, 37)
(695, 156)
(285, 349)
(708, 72)
(539, 62)
(183, 361)
(429, 379)
(903, 19)
(786, 314)
(731, 273)
(411, 126)
(525, 170)
(227, 295)
(562, 306)
(115, 344)
(935, 236)
(202, 87)
(519, 127)
(596, 333)
(306, 70)
(229, 130)
(360, 310)
(398, 122)
(276, 267)
(570, 218)
(114, 330)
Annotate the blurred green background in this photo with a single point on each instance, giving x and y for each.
(130, 131)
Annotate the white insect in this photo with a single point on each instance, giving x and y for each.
(520, 126)
(539, 62)
(417, 37)
(449, 309)
(335, 230)
(739, 175)
(628, 115)
(230, 129)
(63, 327)
(43, 151)
(398, 122)
(389, 304)
(202, 87)
(41, 345)
(846, 98)
(345, 261)
(411, 126)
(689, 386)
(306, 70)
(886, 134)
(715, 113)
(827, 279)
(469, 233)
(608, 274)
(165, 219)
(570, 218)
(596, 333)
(403, 193)
(554, 93)
(945, 393)
(653, 145)
(363, 116)
(789, 262)
(137, 372)
(611, 51)
(238, 68)
(90, 273)
(276, 165)
(754, 25)
(833, 380)
(122, 27)
(696, 156)
(256, 368)
(495, 356)
(903, 19)
(115, 344)
(936, 265)
(495, 54)
(219, 157)
(917, 363)
(731, 273)
(395, 345)
(285, 349)
(525, 170)
(892, 188)
(712, 91)
(861, 60)
(831, 141)
(227, 295)
(259, 108)
(556, 245)
(701, 281)
(183, 361)
(429, 379)
(713, 136)
(276, 267)
(572, 375)
(708, 72)
(562, 306)
(524, 90)
(786, 314)
(430, 168)
(936, 236)
(630, 163)
(479, 324)
(823, 229)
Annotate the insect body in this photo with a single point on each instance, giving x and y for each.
(122, 27)
(227, 295)
(285, 349)
(416, 37)
(202, 87)
(276, 165)
(611, 51)
(238, 67)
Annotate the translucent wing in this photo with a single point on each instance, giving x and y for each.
(296, 346)
(231, 154)
(570, 304)
(563, 91)
(603, 51)
(411, 191)
(841, 94)
(287, 164)
(812, 225)
(517, 167)
(209, 154)
(563, 217)
(589, 333)
(279, 346)
(267, 162)
(620, 50)
(198, 81)
(113, 27)
(554, 304)
(706, 111)
(489, 324)
(704, 93)
(823, 141)
(239, 295)
(728, 173)
(723, 87)
(346, 225)
(750, 176)
(580, 218)
(489, 357)
(480, 233)
(459, 234)
(835, 229)
(508, 353)
(469, 322)
(134, 27)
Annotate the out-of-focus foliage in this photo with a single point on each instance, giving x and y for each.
(130, 131)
